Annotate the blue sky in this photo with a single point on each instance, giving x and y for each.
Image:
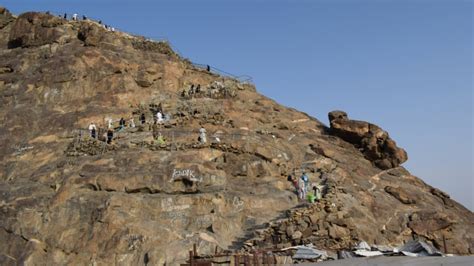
(404, 65)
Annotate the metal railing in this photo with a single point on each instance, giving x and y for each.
(241, 78)
(174, 136)
(245, 79)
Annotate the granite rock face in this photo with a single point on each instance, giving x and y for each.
(373, 141)
(66, 198)
(5, 17)
(35, 29)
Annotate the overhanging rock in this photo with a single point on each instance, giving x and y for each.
(372, 141)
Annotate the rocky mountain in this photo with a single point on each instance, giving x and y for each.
(155, 190)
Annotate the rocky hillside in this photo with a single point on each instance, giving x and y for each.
(155, 190)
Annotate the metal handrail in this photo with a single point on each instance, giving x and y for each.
(256, 139)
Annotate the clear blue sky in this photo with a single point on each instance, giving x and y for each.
(404, 65)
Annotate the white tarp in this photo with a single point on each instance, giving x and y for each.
(367, 253)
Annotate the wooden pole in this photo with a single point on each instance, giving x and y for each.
(255, 258)
(444, 244)
(191, 258)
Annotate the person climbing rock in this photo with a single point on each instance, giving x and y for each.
(142, 118)
(92, 130)
(122, 123)
(317, 192)
(302, 186)
(84, 17)
(208, 68)
(198, 88)
(131, 123)
(109, 123)
(191, 90)
(74, 17)
(94, 133)
(184, 93)
(161, 139)
(159, 117)
(294, 183)
(110, 135)
(202, 135)
(306, 181)
(65, 15)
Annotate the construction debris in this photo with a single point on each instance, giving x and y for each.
(308, 253)
(413, 248)
(363, 246)
(304, 252)
(418, 248)
(367, 253)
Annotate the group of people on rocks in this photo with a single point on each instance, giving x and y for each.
(75, 17)
(94, 132)
(215, 90)
(193, 90)
(301, 186)
(109, 135)
(158, 119)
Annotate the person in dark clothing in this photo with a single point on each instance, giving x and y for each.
(293, 181)
(110, 136)
(191, 90)
(93, 133)
(160, 108)
(122, 123)
(198, 88)
(65, 15)
(100, 22)
(142, 118)
(208, 68)
(84, 17)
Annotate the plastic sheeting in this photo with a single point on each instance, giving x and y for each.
(421, 248)
(367, 253)
(363, 246)
(304, 252)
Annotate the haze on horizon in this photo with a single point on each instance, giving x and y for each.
(405, 66)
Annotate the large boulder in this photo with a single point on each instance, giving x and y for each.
(33, 29)
(90, 34)
(374, 142)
